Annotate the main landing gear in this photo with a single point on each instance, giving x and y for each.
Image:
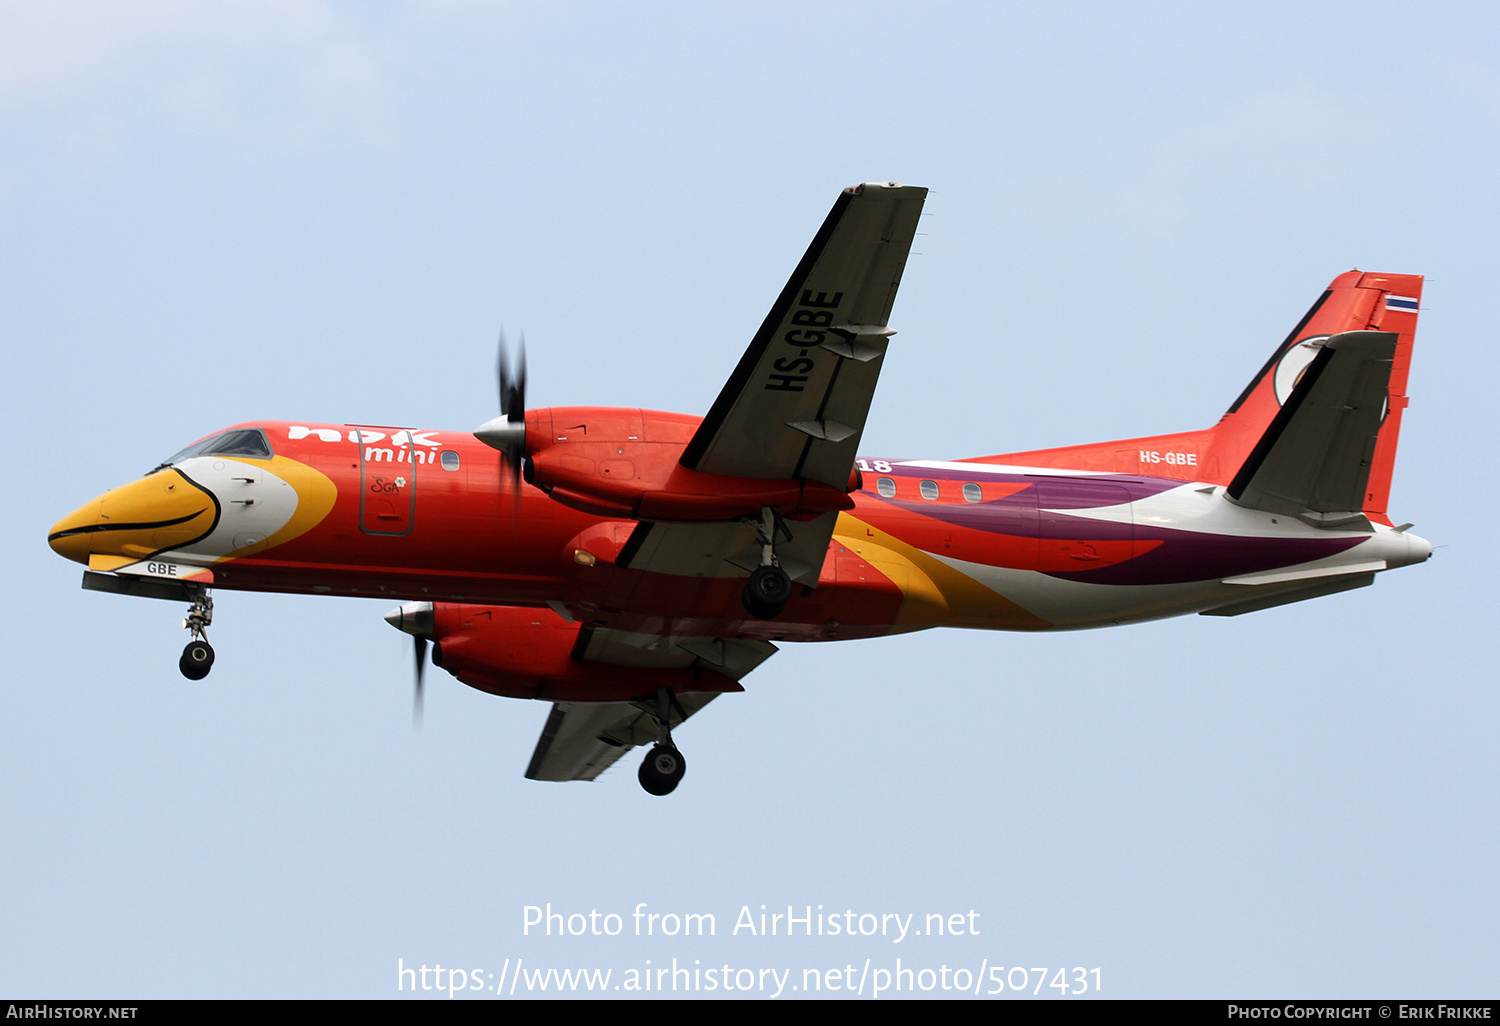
(662, 769)
(198, 657)
(770, 587)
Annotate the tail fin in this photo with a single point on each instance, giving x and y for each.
(1355, 301)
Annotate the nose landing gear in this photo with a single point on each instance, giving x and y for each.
(198, 657)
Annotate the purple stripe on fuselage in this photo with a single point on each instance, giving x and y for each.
(1186, 556)
(1180, 556)
(1083, 498)
(1014, 514)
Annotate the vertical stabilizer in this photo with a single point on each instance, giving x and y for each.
(1354, 302)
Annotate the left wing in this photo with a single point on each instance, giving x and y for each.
(796, 404)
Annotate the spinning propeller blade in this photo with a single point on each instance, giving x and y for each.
(507, 432)
(416, 619)
(420, 644)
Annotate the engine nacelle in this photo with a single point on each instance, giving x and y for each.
(528, 653)
(624, 463)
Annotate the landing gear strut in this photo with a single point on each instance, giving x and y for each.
(198, 657)
(770, 587)
(662, 769)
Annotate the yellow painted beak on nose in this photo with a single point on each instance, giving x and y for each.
(159, 512)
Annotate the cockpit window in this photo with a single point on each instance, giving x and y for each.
(249, 442)
(245, 442)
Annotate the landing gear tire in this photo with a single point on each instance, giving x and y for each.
(767, 592)
(197, 659)
(662, 769)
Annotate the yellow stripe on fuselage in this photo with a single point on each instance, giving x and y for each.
(934, 593)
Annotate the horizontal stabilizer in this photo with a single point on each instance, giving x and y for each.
(1314, 459)
(1279, 597)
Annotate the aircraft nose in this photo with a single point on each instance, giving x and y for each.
(158, 512)
(70, 537)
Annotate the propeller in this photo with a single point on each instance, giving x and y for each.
(420, 644)
(416, 619)
(507, 432)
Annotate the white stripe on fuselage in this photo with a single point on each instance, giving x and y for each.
(1189, 507)
(995, 468)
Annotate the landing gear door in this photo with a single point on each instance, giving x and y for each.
(387, 480)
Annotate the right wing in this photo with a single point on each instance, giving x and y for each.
(794, 407)
(583, 739)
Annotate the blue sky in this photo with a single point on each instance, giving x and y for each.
(324, 211)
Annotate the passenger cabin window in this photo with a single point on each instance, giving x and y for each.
(886, 487)
(929, 490)
(449, 459)
(972, 492)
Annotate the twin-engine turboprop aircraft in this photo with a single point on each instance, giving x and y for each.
(651, 560)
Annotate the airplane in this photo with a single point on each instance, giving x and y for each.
(629, 566)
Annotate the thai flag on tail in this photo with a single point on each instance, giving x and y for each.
(1394, 302)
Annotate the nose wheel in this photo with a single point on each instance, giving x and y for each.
(198, 657)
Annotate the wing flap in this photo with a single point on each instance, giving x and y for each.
(732, 657)
(726, 549)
